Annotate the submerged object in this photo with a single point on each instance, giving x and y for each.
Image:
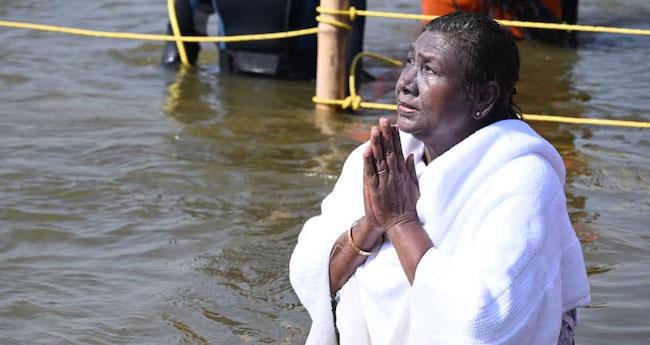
(285, 58)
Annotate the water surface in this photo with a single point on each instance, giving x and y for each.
(144, 206)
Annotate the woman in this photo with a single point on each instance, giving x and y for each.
(467, 240)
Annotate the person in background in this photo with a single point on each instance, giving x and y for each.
(550, 11)
(450, 227)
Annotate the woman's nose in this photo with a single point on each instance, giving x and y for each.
(406, 81)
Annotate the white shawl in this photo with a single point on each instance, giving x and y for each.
(505, 264)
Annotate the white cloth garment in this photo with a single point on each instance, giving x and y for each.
(505, 266)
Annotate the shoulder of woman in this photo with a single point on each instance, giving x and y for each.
(530, 174)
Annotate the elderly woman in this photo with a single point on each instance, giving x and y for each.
(467, 240)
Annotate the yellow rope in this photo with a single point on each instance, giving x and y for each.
(334, 22)
(582, 121)
(173, 20)
(354, 100)
(574, 27)
(528, 117)
(154, 37)
(342, 102)
(353, 12)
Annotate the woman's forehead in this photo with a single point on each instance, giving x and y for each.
(432, 44)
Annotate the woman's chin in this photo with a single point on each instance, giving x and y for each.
(405, 124)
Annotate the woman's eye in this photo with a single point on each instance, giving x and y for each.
(429, 69)
(410, 61)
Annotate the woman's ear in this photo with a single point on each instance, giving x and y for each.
(486, 99)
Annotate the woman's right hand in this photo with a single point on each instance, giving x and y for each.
(390, 182)
(369, 219)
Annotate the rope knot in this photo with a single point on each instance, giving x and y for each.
(334, 22)
(353, 13)
(352, 101)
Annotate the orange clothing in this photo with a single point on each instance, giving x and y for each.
(441, 7)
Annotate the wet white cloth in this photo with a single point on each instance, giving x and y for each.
(506, 263)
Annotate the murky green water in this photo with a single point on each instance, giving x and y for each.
(149, 207)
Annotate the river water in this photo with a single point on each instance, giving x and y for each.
(144, 206)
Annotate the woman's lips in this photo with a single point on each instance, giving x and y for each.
(405, 108)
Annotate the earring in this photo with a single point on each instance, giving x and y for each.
(478, 114)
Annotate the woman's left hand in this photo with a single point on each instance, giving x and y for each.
(391, 180)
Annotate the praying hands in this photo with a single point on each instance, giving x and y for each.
(390, 183)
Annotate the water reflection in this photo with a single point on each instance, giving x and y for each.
(186, 96)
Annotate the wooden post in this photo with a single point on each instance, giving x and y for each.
(330, 69)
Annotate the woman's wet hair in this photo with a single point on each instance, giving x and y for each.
(487, 52)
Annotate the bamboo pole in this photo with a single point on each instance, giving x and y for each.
(330, 69)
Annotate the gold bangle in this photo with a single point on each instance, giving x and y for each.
(353, 245)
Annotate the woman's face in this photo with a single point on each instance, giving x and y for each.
(432, 101)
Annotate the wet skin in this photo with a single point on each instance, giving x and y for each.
(433, 103)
